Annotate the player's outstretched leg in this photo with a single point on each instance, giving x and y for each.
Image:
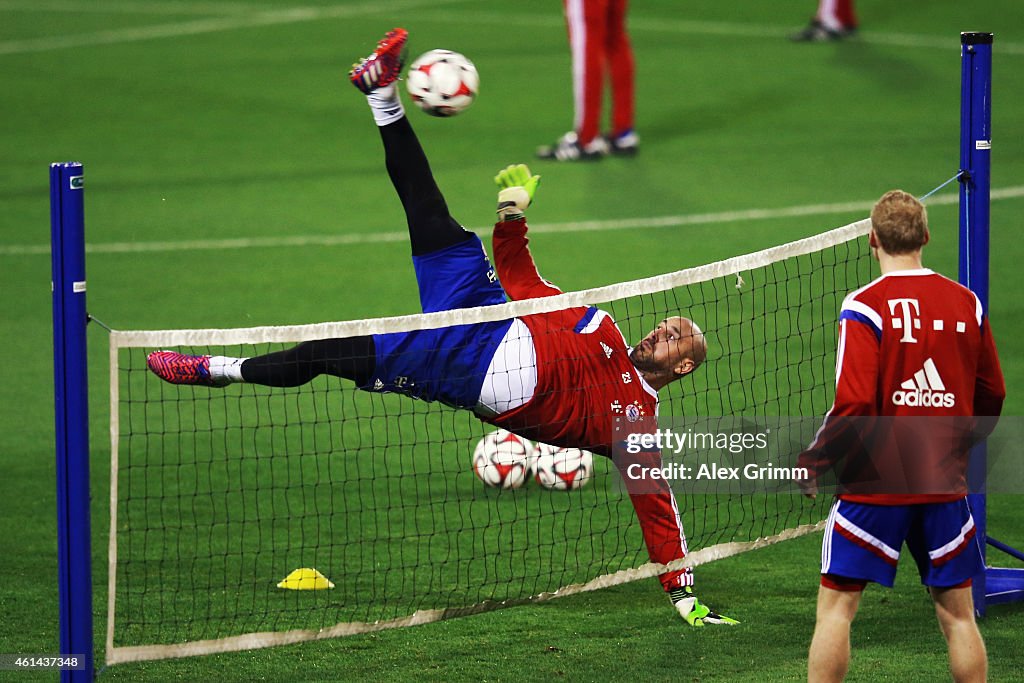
(431, 227)
(351, 358)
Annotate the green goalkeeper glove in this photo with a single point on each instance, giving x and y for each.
(517, 189)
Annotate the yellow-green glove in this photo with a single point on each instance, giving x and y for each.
(517, 189)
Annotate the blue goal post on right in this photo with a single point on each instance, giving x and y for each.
(994, 585)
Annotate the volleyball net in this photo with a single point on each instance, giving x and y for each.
(217, 495)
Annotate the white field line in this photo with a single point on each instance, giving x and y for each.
(246, 16)
(163, 7)
(211, 25)
(730, 30)
(573, 226)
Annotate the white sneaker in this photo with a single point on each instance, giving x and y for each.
(568, 148)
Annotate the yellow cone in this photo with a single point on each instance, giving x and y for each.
(306, 579)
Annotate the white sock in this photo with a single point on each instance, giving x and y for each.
(225, 367)
(385, 104)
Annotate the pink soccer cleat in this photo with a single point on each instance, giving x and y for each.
(383, 66)
(181, 368)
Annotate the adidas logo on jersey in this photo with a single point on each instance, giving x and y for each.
(924, 390)
(607, 350)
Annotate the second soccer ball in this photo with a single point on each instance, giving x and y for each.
(502, 460)
(442, 82)
(562, 469)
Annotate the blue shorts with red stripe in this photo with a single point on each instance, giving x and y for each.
(446, 364)
(863, 542)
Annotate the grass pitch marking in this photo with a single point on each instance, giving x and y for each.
(572, 226)
(249, 19)
(228, 17)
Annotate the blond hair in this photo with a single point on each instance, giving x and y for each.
(900, 222)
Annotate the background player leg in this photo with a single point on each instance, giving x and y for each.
(834, 20)
(588, 27)
(622, 72)
(954, 608)
(586, 21)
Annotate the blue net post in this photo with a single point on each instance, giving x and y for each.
(992, 585)
(74, 538)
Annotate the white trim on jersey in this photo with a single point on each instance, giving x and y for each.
(909, 272)
(625, 344)
(629, 349)
(841, 352)
(688, 580)
(647, 387)
(896, 273)
(978, 312)
(871, 314)
(595, 322)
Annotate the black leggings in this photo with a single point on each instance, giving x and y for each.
(351, 358)
(431, 228)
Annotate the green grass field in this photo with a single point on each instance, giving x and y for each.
(207, 121)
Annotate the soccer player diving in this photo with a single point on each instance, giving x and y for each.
(561, 378)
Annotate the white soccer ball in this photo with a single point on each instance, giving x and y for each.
(561, 469)
(442, 82)
(502, 460)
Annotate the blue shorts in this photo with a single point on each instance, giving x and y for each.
(863, 542)
(447, 364)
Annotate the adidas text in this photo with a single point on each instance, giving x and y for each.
(924, 399)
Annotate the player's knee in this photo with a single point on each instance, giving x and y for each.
(838, 599)
(954, 607)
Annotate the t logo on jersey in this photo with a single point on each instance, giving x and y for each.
(907, 320)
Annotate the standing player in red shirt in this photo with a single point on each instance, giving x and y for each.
(913, 346)
(561, 378)
(600, 51)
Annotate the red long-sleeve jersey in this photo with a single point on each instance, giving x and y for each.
(916, 364)
(584, 375)
(585, 380)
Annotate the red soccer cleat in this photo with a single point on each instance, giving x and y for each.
(383, 66)
(180, 368)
